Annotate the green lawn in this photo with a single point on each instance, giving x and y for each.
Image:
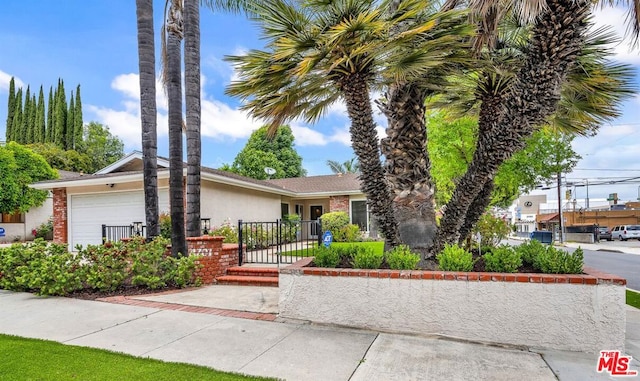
(378, 247)
(633, 299)
(30, 359)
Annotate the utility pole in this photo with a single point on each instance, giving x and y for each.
(560, 216)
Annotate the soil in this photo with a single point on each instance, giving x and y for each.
(88, 294)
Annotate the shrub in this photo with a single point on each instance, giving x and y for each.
(290, 227)
(367, 258)
(150, 267)
(492, 230)
(455, 258)
(165, 225)
(350, 233)
(401, 258)
(326, 257)
(335, 222)
(558, 261)
(105, 266)
(530, 250)
(44, 230)
(226, 230)
(502, 259)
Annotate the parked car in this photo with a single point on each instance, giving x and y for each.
(604, 233)
(624, 232)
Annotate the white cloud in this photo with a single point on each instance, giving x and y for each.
(306, 136)
(616, 17)
(220, 121)
(5, 78)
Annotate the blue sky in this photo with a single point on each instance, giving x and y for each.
(93, 43)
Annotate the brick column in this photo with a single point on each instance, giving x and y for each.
(60, 213)
(214, 257)
(339, 204)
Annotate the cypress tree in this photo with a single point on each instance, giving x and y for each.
(33, 111)
(61, 116)
(78, 128)
(40, 119)
(50, 124)
(26, 113)
(70, 125)
(16, 125)
(10, 109)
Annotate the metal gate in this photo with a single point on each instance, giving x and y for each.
(275, 242)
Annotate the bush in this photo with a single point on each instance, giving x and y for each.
(492, 230)
(290, 227)
(530, 250)
(335, 222)
(44, 230)
(367, 258)
(226, 230)
(502, 259)
(150, 266)
(105, 266)
(349, 233)
(558, 261)
(401, 258)
(326, 257)
(165, 225)
(455, 258)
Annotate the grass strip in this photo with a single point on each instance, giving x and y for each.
(378, 247)
(33, 359)
(633, 299)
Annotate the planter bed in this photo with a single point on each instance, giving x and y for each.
(584, 313)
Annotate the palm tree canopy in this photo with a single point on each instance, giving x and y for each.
(313, 47)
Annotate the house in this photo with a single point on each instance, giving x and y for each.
(114, 196)
(18, 226)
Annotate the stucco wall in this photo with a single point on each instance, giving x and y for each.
(574, 317)
(32, 219)
(222, 203)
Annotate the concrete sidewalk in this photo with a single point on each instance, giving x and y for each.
(160, 326)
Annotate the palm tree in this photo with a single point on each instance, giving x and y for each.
(147, 67)
(172, 78)
(322, 51)
(192, 100)
(349, 166)
(557, 40)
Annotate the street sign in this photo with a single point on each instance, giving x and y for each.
(1, 232)
(327, 238)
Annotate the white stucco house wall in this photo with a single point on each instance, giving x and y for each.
(114, 196)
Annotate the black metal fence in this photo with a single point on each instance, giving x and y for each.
(275, 242)
(117, 233)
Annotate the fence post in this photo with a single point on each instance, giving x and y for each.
(104, 233)
(239, 242)
(279, 233)
(319, 226)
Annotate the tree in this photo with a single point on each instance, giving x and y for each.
(100, 146)
(349, 166)
(60, 116)
(11, 109)
(16, 124)
(171, 47)
(41, 127)
(148, 111)
(20, 167)
(319, 52)
(78, 124)
(51, 106)
(192, 100)
(70, 130)
(277, 151)
(56, 157)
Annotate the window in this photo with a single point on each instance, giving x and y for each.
(284, 209)
(12, 218)
(299, 211)
(360, 214)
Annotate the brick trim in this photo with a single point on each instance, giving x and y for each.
(60, 216)
(590, 277)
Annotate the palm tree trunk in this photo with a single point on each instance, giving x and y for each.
(147, 68)
(476, 209)
(192, 100)
(555, 43)
(407, 167)
(364, 140)
(174, 94)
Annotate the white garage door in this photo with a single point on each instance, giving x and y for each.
(88, 212)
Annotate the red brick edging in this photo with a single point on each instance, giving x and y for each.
(132, 301)
(591, 276)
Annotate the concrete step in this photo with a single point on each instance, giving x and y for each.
(244, 280)
(253, 271)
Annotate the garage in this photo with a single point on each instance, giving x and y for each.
(88, 212)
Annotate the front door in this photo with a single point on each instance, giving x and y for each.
(316, 213)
